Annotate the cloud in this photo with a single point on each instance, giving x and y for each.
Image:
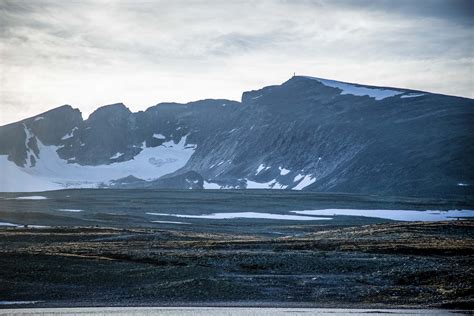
(90, 53)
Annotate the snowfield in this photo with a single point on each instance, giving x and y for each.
(397, 215)
(53, 173)
(32, 197)
(273, 184)
(247, 215)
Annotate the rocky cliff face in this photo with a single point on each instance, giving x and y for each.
(308, 133)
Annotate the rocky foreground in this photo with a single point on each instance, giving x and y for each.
(392, 265)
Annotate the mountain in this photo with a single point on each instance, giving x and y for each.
(305, 134)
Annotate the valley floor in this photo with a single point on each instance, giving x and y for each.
(410, 264)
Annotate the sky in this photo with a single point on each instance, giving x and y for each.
(92, 53)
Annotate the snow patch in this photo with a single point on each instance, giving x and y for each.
(298, 177)
(412, 95)
(272, 184)
(170, 222)
(9, 224)
(347, 88)
(69, 210)
(18, 302)
(397, 215)
(117, 155)
(32, 197)
(262, 167)
(159, 136)
(246, 215)
(307, 180)
(20, 225)
(283, 171)
(70, 134)
(211, 185)
(39, 118)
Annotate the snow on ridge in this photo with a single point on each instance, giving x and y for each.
(349, 88)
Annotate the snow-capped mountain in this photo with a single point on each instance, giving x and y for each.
(305, 134)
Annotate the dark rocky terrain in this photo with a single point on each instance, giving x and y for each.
(380, 265)
(104, 248)
(302, 134)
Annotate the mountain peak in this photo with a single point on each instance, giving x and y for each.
(106, 110)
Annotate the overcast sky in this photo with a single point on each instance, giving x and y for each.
(92, 53)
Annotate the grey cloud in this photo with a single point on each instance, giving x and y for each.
(454, 11)
(88, 52)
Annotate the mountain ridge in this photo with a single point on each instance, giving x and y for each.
(245, 92)
(307, 133)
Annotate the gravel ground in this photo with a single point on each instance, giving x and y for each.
(418, 265)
